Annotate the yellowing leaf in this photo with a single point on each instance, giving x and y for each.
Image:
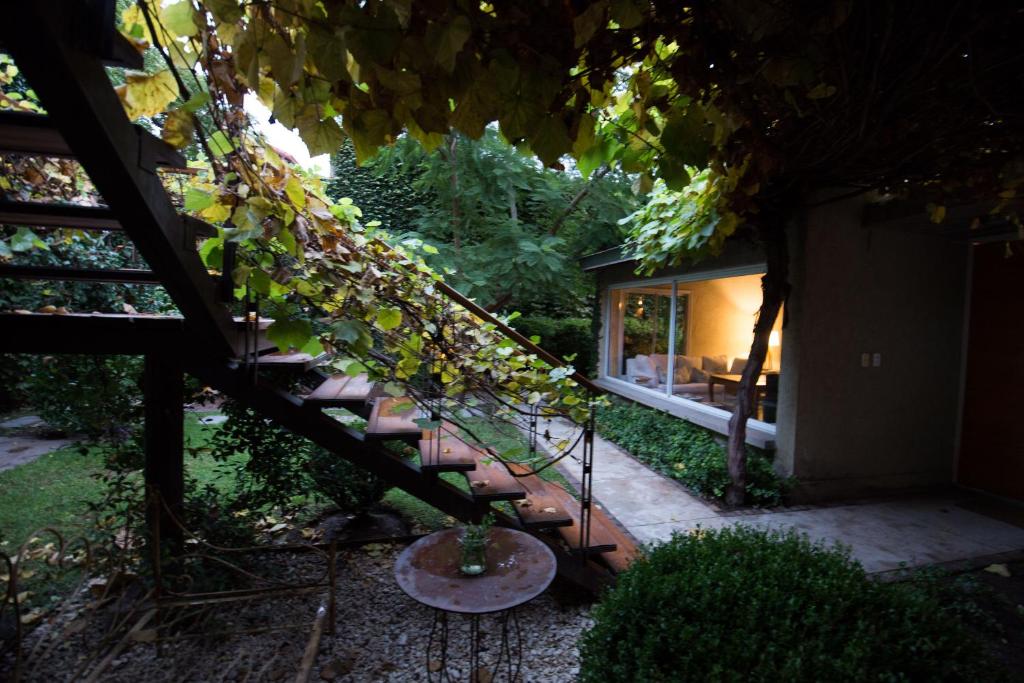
(938, 214)
(216, 213)
(147, 95)
(293, 188)
(178, 129)
(821, 91)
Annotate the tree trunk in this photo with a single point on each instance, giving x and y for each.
(774, 291)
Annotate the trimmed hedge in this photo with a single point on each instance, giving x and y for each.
(692, 455)
(740, 604)
(563, 337)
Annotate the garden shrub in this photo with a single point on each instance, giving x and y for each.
(691, 454)
(281, 466)
(563, 337)
(740, 604)
(96, 396)
(351, 488)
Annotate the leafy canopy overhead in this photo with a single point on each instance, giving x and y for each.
(774, 98)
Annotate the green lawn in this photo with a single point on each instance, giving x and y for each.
(55, 489)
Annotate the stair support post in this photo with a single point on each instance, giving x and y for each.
(164, 395)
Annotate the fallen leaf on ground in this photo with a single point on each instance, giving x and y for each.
(31, 617)
(1000, 569)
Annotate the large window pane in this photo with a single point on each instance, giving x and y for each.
(640, 324)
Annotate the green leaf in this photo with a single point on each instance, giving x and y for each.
(626, 14)
(220, 144)
(290, 334)
(551, 140)
(5, 249)
(686, 136)
(326, 48)
(196, 102)
(179, 19)
(389, 318)
(673, 173)
(430, 249)
(24, 239)
(448, 40)
(586, 24)
(197, 200)
(321, 136)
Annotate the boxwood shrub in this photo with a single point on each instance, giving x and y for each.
(691, 454)
(740, 604)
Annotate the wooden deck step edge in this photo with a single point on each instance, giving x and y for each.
(601, 540)
(390, 418)
(490, 481)
(293, 361)
(341, 391)
(452, 455)
(540, 509)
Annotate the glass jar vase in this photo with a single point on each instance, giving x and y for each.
(474, 555)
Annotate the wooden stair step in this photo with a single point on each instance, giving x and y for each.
(296, 360)
(491, 481)
(82, 217)
(601, 540)
(540, 509)
(134, 276)
(393, 418)
(453, 455)
(341, 391)
(58, 215)
(36, 134)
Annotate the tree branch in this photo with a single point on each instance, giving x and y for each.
(584, 191)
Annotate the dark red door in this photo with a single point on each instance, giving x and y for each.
(992, 446)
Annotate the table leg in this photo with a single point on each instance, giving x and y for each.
(510, 653)
(711, 390)
(439, 632)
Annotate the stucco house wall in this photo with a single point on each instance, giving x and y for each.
(842, 429)
(897, 293)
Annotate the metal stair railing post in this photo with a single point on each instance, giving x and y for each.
(586, 478)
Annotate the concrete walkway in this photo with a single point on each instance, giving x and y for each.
(883, 536)
(18, 449)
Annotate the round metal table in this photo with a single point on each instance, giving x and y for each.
(519, 568)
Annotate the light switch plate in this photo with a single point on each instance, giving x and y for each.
(876, 360)
(865, 360)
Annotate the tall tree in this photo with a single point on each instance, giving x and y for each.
(503, 226)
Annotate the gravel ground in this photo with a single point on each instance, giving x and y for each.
(381, 635)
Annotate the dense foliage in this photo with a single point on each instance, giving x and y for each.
(508, 231)
(97, 397)
(572, 339)
(690, 454)
(739, 604)
(274, 467)
(386, 199)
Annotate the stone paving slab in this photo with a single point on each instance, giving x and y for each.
(18, 450)
(882, 536)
